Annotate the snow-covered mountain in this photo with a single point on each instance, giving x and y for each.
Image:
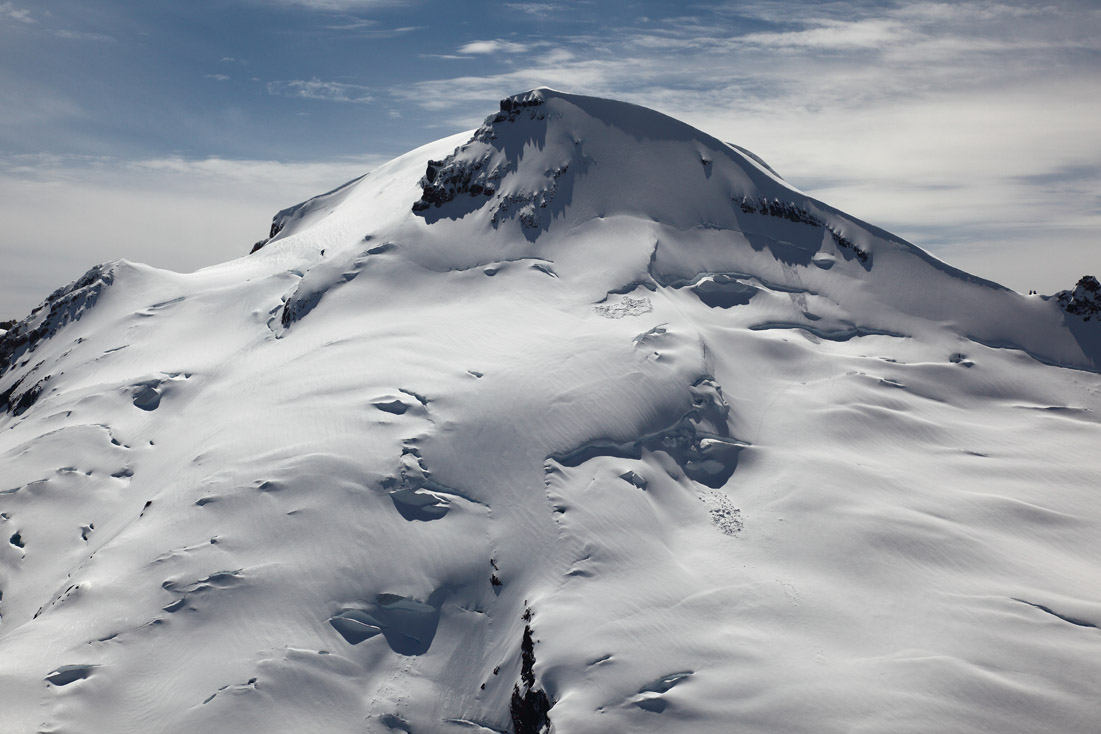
(585, 420)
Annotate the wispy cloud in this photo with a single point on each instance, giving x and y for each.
(492, 47)
(351, 23)
(321, 90)
(973, 11)
(341, 5)
(365, 27)
(84, 36)
(835, 34)
(540, 9)
(8, 11)
(474, 96)
(218, 77)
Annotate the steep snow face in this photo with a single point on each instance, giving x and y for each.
(583, 418)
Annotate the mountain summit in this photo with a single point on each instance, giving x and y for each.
(551, 170)
(585, 421)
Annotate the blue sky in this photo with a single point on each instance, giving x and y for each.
(169, 132)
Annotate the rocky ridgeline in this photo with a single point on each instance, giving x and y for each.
(525, 205)
(794, 213)
(512, 108)
(456, 176)
(1084, 300)
(446, 179)
(60, 307)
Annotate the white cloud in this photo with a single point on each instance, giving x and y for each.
(351, 23)
(322, 90)
(218, 77)
(8, 11)
(479, 94)
(538, 9)
(558, 56)
(971, 11)
(366, 27)
(864, 34)
(84, 36)
(492, 47)
(341, 5)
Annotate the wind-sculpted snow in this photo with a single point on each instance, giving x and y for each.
(309, 211)
(408, 625)
(723, 291)
(415, 495)
(631, 439)
(699, 443)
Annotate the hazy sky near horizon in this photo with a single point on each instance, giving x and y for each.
(170, 132)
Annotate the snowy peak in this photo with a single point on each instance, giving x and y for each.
(614, 432)
(1084, 300)
(558, 171)
(546, 152)
(612, 198)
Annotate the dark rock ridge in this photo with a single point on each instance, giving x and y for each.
(472, 176)
(61, 307)
(19, 404)
(529, 709)
(1084, 300)
(526, 206)
(795, 213)
(444, 180)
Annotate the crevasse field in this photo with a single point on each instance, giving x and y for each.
(587, 410)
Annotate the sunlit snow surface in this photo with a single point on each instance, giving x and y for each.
(753, 465)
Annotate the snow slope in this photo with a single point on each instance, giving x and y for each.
(586, 405)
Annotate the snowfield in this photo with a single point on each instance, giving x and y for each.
(584, 410)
